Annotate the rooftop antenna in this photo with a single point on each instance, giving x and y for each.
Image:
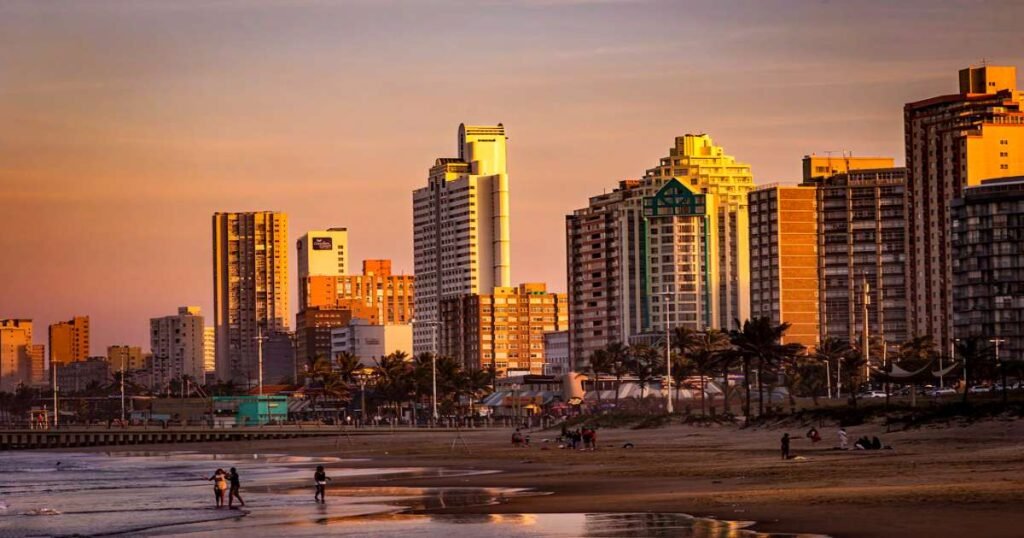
(829, 153)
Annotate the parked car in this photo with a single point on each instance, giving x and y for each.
(980, 389)
(872, 394)
(942, 392)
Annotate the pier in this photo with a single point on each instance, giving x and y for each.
(22, 439)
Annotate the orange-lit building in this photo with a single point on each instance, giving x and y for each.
(15, 346)
(504, 329)
(376, 295)
(69, 340)
(953, 142)
(784, 259)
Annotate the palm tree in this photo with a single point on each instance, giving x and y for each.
(725, 360)
(346, 364)
(644, 361)
(682, 368)
(851, 364)
(706, 352)
(758, 344)
(806, 377)
(600, 363)
(832, 350)
(394, 375)
(618, 354)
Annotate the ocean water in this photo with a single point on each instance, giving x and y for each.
(168, 494)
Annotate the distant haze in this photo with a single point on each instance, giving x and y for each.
(125, 125)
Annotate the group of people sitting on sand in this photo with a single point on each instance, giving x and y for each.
(868, 444)
(864, 443)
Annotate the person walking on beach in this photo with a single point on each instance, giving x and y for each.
(320, 478)
(233, 493)
(844, 440)
(220, 485)
(785, 446)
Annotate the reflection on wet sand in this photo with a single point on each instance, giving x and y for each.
(141, 493)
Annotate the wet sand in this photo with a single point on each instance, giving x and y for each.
(937, 482)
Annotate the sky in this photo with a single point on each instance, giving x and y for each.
(125, 125)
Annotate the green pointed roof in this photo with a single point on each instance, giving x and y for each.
(673, 199)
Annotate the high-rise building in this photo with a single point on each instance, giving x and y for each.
(250, 292)
(376, 295)
(784, 260)
(178, 347)
(672, 248)
(597, 284)
(699, 164)
(818, 167)
(504, 329)
(129, 356)
(321, 253)
(862, 238)
(461, 227)
(953, 142)
(209, 349)
(15, 349)
(369, 342)
(988, 264)
(69, 340)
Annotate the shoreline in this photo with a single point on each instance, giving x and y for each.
(939, 481)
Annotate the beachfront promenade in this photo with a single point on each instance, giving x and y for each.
(79, 436)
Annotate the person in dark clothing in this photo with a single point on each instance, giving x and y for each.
(876, 443)
(785, 446)
(320, 478)
(233, 492)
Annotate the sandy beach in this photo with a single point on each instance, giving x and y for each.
(937, 481)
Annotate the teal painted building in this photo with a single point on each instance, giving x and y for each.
(251, 410)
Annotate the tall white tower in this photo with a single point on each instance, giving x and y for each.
(461, 227)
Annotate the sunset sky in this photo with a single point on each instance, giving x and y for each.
(125, 125)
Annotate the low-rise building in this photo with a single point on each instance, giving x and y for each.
(556, 353)
(78, 376)
(376, 295)
(178, 346)
(130, 357)
(504, 330)
(369, 342)
(313, 328)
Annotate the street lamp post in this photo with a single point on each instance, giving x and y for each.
(668, 352)
(952, 356)
(56, 412)
(828, 379)
(1002, 369)
(122, 387)
(259, 358)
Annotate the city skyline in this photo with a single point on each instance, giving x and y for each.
(121, 153)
